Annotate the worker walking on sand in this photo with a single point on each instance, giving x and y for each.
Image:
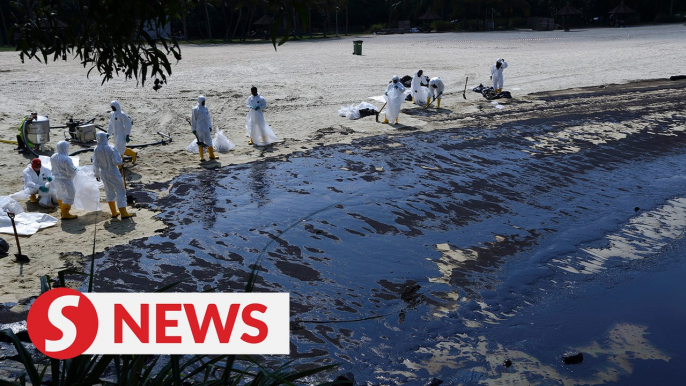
(37, 180)
(419, 91)
(63, 171)
(258, 130)
(497, 74)
(201, 125)
(394, 96)
(436, 88)
(106, 164)
(119, 129)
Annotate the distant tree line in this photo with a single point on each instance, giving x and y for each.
(137, 38)
(230, 20)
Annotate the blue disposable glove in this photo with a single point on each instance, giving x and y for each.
(210, 129)
(49, 179)
(193, 132)
(128, 139)
(386, 93)
(43, 189)
(257, 107)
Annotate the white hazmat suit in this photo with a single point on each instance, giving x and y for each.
(420, 93)
(63, 171)
(201, 126)
(394, 95)
(119, 129)
(497, 74)
(106, 162)
(260, 133)
(436, 87)
(40, 184)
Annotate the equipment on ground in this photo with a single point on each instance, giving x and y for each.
(379, 112)
(465, 88)
(20, 258)
(200, 143)
(36, 130)
(80, 131)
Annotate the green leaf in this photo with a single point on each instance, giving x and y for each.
(24, 356)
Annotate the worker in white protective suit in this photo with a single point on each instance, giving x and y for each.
(106, 163)
(119, 129)
(63, 172)
(38, 181)
(419, 91)
(258, 130)
(436, 88)
(497, 74)
(394, 95)
(201, 125)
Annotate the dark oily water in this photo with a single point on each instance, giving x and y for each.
(440, 254)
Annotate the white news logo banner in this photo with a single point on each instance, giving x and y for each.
(191, 323)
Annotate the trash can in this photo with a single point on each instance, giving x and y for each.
(357, 47)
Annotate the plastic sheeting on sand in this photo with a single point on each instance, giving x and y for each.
(26, 223)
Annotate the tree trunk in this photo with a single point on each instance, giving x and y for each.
(346, 18)
(6, 36)
(227, 22)
(238, 22)
(248, 24)
(207, 20)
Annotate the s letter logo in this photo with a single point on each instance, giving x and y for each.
(62, 323)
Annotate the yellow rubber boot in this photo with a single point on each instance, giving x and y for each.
(33, 198)
(250, 142)
(59, 202)
(428, 102)
(124, 213)
(211, 151)
(438, 103)
(385, 119)
(131, 154)
(65, 212)
(113, 208)
(396, 121)
(201, 150)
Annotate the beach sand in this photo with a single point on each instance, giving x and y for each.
(304, 83)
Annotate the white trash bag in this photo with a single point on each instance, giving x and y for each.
(87, 190)
(193, 147)
(7, 204)
(220, 143)
(21, 195)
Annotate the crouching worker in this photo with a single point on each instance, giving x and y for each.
(106, 163)
(37, 181)
(436, 88)
(63, 171)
